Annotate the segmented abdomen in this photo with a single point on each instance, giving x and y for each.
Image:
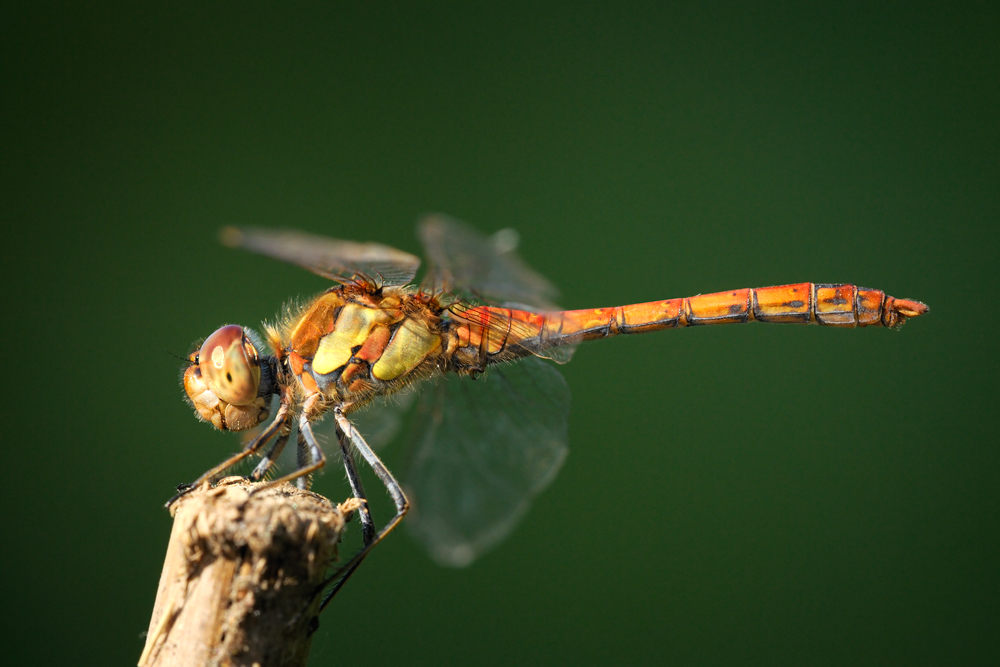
(503, 333)
(802, 303)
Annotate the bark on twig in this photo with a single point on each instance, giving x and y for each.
(240, 575)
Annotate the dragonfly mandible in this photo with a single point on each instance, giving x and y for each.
(483, 450)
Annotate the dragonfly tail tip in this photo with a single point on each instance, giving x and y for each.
(901, 309)
(910, 308)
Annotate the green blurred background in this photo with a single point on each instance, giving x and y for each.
(757, 494)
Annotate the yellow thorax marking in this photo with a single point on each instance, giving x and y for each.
(354, 324)
(412, 344)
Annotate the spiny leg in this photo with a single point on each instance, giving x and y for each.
(367, 526)
(318, 459)
(268, 459)
(303, 459)
(280, 420)
(340, 577)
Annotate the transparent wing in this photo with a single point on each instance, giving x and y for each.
(463, 261)
(482, 451)
(342, 261)
(382, 421)
(498, 326)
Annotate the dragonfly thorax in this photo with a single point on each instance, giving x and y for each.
(355, 342)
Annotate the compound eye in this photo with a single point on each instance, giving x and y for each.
(230, 365)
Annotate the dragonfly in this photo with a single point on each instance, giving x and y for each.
(482, 451)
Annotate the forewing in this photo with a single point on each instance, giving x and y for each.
(343, 261)
(463, 261)
(483, 450)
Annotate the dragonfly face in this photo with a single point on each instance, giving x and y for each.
(223, 381)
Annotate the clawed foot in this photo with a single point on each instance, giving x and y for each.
(182, 490)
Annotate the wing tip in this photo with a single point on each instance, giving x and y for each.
(231, 237)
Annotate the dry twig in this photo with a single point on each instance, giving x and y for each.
(240, 575)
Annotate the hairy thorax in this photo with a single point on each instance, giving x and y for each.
(353, 343)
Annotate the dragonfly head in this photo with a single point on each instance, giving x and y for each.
(223, 381)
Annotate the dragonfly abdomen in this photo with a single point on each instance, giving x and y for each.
(490, 334)
(802, 303)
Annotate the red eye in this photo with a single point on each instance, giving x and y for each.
(250, 350)
(230, 365)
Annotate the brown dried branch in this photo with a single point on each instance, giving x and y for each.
(240, 575)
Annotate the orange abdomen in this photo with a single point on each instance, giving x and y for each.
(513, 333)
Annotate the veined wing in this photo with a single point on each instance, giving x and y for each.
(463, 261)
(513, 333)
(481, 453)
(342, 261)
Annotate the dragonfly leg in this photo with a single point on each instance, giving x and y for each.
(303, 458)
(317, 458)
(268, 459)
(280, 421)
(367, 526)
(340, 577)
